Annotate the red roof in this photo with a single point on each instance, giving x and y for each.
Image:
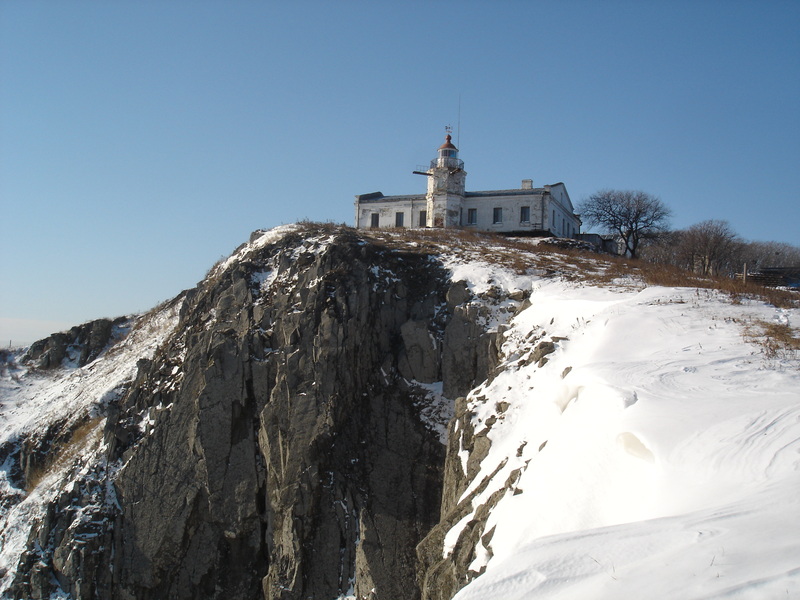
(448, 143)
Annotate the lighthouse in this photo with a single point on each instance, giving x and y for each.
(526, 210)
(445, 197)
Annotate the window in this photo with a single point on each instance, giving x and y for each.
(497, 215)
(525, 214)
(472, 216)
(398, 219)
(374, 222)
(423, 218)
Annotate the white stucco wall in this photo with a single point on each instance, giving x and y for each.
(510, 206)
(551, 212)
(387, 211)
(561, 214)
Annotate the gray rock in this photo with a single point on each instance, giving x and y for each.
(421, 359)
(469, 353)
(288, 459)
(458, 294)
(80, 345)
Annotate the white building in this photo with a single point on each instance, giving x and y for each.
(527, 210)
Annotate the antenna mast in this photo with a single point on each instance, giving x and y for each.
(458, 130)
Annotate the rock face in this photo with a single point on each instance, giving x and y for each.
(78, 346)
(443, 574)
(274, 447)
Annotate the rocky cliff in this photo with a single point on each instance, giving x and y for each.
(286, 439)
(78, 346)
(434, 415)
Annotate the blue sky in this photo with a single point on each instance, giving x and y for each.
(142, 141)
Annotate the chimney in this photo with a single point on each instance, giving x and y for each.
(527, 184)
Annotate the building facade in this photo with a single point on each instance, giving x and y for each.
(527, 210)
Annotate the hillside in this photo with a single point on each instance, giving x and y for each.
(335, 414)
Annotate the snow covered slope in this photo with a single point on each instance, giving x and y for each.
(654, 453)
(37, 404)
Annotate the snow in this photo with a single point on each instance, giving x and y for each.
(482, 279)
(435, 410)
(31, 401)
(656, 451)
(480, 276)
(260, 239)
(40, 399)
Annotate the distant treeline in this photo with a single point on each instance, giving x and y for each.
(713, 248)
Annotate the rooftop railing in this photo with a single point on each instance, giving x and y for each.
(448, 162)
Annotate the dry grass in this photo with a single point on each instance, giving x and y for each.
(531, 255)
(64, 453)
(524, 255)
(778, 341)
(736, 289)
(517, 255)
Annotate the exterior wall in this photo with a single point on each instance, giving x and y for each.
(560, 214)
(444, 210)
(550, 211)
(387, 210)
(511, 206)
(445, 194)
(604, 243)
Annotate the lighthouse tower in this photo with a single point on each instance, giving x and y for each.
(445, 187)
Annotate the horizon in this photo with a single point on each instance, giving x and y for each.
(141, 142)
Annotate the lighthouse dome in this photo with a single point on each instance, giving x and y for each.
(447, 150)
(448, 144)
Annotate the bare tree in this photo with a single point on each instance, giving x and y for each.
(631, 214)
(712, 248)
(760, 255)
(665, 248)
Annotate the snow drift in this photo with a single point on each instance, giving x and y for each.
(657, 451)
